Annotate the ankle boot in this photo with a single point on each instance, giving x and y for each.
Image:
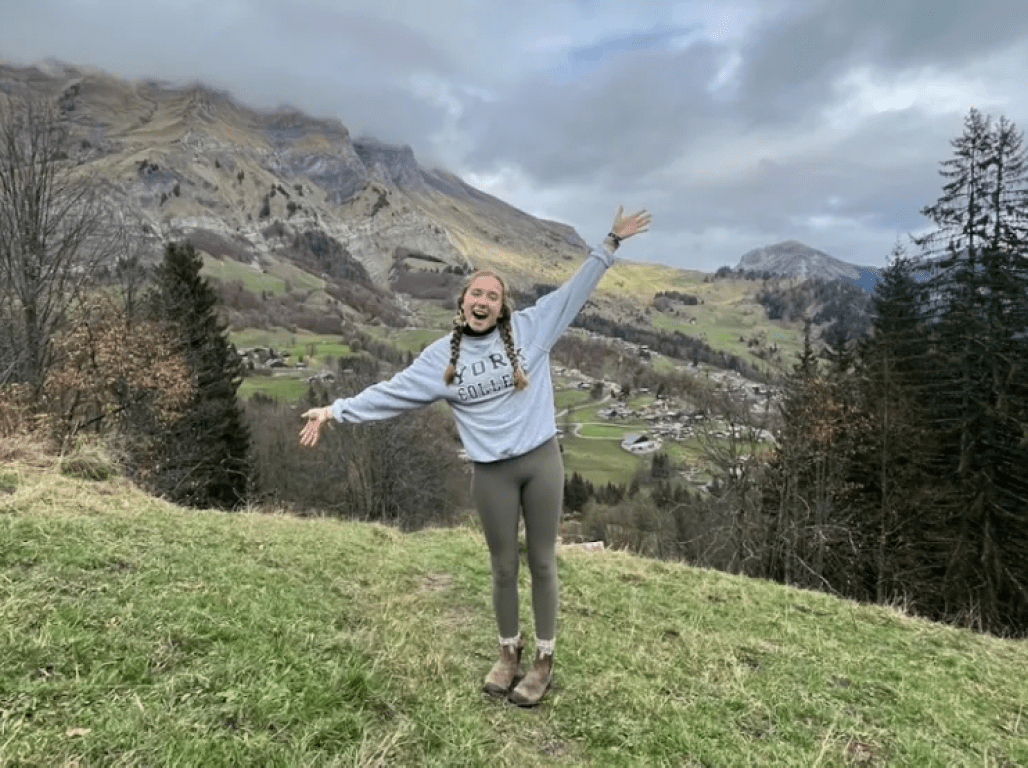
(535, 684)
(505, 671)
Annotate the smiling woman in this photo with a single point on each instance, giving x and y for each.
(508, 429)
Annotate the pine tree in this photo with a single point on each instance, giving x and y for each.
(892, 449)
(896, 307)
(576, 493)
(959, 214)
(977, 317)
(205, 455)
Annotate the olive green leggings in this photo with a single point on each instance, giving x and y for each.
(534, 484)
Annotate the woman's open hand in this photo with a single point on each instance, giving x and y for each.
(626, 226)
(316, 419)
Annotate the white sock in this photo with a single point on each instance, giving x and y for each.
(511, 642)
(545, 647)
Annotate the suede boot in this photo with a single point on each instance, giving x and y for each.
(534, 685)
(506, 671)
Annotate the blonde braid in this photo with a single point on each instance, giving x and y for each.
(458, 332)
(520, 379)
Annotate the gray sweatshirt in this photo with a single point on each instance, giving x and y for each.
(494, 420)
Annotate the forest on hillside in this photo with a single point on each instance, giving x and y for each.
(898, 472)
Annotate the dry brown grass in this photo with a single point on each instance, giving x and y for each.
(24, 440)
(26, 450)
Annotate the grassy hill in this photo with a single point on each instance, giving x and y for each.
(139, 633)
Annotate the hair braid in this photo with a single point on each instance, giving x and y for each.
(520, 379)
(458, 332)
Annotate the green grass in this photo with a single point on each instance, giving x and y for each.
(664, 365)
(409, 339)
(252, 279)
(286, 389)
(275, 277)
(296, 278)
(612, 431)
(600, 461)
(431, 315)
(728, 313)
(8, 482)
(297, 343)
(588, 411)
(313, 348)
(678, 453)
(570, 398)
(137, 633)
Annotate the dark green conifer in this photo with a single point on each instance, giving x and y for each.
(205, 454)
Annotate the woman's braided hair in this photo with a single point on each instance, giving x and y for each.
(503, 325)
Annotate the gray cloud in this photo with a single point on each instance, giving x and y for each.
(624, 120)
(791, 65)
(736, 122)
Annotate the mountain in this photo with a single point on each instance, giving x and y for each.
(793, 258)
(304, 225)
(190, 162)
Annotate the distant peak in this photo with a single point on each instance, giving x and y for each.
(793, 258)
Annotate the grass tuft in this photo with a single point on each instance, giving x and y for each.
(88, 461)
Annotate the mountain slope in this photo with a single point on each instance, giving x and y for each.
(292, 209)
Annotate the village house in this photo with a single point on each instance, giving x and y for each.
(636, 443)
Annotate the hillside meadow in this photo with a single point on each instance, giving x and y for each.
(139, 633)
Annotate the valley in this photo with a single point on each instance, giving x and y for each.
(725, 317)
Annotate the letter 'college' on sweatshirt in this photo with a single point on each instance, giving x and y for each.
(495, 421)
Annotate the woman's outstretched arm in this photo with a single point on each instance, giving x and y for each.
(553, 313)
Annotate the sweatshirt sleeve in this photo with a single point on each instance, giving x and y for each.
(545, 321)
(415, 386)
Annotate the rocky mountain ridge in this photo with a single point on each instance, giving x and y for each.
(187, 159)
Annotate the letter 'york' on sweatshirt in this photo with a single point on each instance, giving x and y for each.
(492, 362)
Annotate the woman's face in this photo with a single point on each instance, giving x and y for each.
(483, 302)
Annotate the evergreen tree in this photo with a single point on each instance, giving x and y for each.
(959, 214)
(887, 475)
(204, 455)
(577, 491)
(897, 307)
(976, 321)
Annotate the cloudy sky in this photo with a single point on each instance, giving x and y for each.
(737, 123)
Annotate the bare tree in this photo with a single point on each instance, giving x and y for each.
(735, 440)
(54, 231)
(403, 471)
